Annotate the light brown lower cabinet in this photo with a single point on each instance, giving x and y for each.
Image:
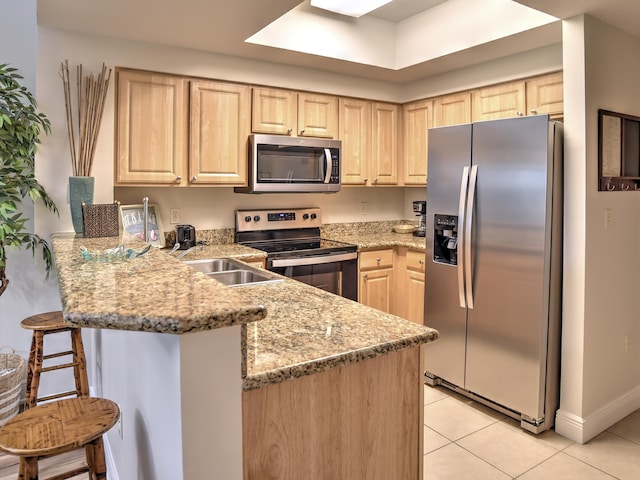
(358, 421)
(376, 278)
(392, 280)
(409, 293)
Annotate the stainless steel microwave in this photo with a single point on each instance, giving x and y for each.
(279, 164)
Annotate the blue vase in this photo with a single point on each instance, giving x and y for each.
(80, 191)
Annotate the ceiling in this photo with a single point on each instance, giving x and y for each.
(222, 26)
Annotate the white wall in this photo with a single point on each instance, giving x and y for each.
(18, 21)
(600, 381)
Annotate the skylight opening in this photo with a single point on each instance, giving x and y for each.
(352, 8)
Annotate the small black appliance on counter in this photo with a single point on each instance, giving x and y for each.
(420, 209)
(185, 236)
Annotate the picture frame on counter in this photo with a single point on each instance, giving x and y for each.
(132, 219)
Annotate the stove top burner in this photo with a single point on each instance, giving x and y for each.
(298, 247)
(291, 232)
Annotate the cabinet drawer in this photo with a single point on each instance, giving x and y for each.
(415, 260)
(376, 259)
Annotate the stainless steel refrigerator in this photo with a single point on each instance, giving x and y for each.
(494, 264)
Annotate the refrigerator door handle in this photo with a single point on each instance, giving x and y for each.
(464, 183)
(468, 220)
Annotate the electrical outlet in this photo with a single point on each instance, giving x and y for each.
(364, 208)
(608, 218)
(120, 431)
(175, 215)
(627, 343)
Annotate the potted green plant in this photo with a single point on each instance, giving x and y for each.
(20, 128)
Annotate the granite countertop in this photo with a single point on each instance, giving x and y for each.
(302, 329)
(144, 294)
(379, 240)
(308, 330)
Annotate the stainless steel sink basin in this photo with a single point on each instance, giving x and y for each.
(211, 265)
(233, 273)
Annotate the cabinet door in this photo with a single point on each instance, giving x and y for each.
(355, 132)
(384, 135)
(274, 111)
(317, 115)
(414, 286)
(499, 101)
(220, 127)
(375, 288)
(545, 95)
(452, 109)
(151, 129)
(417, 119)
(376, 278)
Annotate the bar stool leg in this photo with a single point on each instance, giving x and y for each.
(28, 468)
(95, 459)
(80, 367)
(35, 367)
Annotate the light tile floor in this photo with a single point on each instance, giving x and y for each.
(466, 440)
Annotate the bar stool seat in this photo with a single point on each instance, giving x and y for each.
(50, 323)
(59, 427)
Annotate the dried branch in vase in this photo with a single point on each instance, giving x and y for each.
(83, 131)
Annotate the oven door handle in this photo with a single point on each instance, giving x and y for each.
(320, 259)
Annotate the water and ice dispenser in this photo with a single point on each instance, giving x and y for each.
(445, 239)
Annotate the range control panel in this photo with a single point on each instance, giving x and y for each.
(270, 219)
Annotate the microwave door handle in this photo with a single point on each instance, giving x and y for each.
(329, 165)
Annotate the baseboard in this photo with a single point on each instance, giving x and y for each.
(112, 472)
(582, 430)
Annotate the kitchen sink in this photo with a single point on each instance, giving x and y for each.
(213, 265)
(233, 273)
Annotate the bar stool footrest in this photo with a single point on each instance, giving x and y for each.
(57, 395)
(70, 474)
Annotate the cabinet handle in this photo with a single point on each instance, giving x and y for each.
(519, 114)
(534, 111)
(421, 262)
(194, 178)
(375, 180)
(302, 132)
(366, 275)
(179, 178)
(378, 259)
(365, 180)
(289, 130)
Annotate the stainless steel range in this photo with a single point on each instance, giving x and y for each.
(291, 238)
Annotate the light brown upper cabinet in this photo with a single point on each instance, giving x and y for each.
(151, 128)
(355, 133)
(454, 109)
(220, 126)
(505, 100)
(317, 115)
(384, 135)
(417, 119)
(285, 112)
(544, 95)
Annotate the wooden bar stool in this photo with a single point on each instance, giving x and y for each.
(59, 427)
(46, 324)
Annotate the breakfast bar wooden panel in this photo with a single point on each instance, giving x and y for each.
(361, 420)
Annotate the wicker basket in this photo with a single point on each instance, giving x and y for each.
(12, 372)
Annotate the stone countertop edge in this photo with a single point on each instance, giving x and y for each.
(277, 375)
(142, 294)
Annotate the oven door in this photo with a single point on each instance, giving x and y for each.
(335, 273)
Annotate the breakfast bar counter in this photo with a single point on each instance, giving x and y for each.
(210, 369)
